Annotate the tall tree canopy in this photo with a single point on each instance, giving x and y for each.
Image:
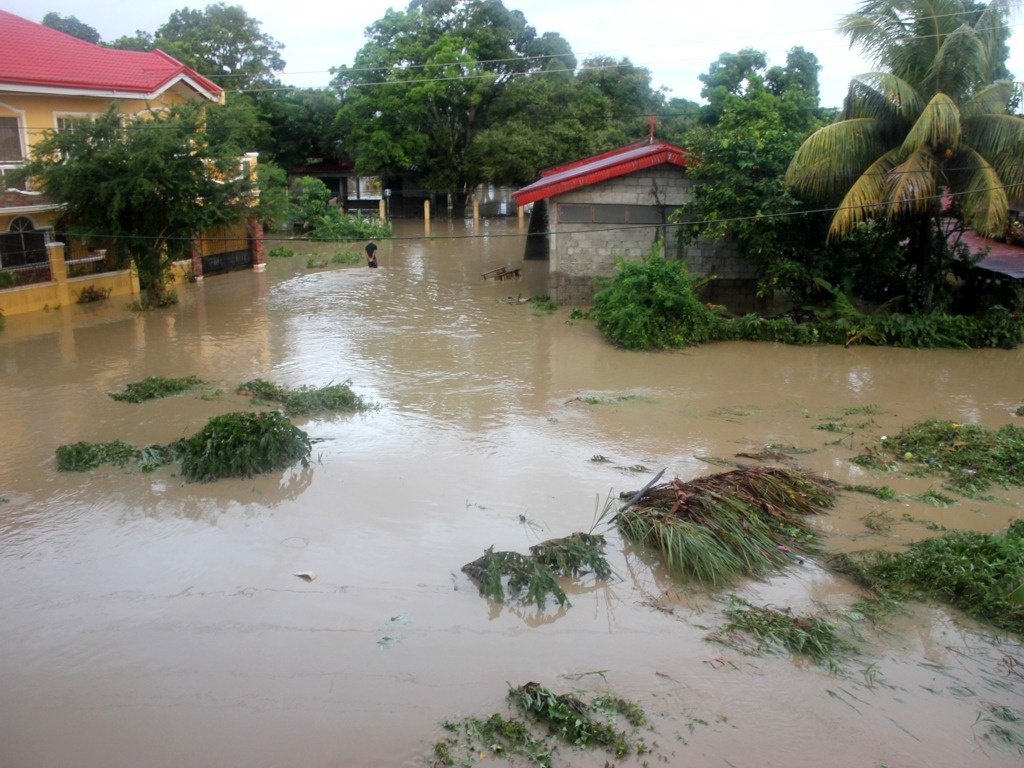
(424, 85)
(931, 119)
(72, 26)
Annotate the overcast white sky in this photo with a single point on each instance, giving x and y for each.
(675, 40)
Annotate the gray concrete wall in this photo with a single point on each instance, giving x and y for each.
(582, 252)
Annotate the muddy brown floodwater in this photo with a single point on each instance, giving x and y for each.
(151, 622)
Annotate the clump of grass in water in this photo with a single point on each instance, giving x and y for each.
(739, 523)
(347, 257)
(809, 636)
(83, 456)
(1020, 410)
(242, 445)
(531, 578)
(982, 574)
(543, 721)
(332, 398)
(883, 492)
(155, 387)
(316, 262)
(281, 252)
(972, 457)
(542, 305)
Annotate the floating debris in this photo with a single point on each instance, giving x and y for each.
(543, 722)
(717, 528)
(531, 578)
(972, 457)
(982, 574)
(154, 387)
(83, 456)
(810, 636)
(243, 445)
(306, 576)
(302, 401)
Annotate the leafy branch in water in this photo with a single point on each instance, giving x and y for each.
(531, 578)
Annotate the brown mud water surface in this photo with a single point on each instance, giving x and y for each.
(147, 621)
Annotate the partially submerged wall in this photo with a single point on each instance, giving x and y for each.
(621, 218)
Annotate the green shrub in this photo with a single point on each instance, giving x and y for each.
(281, 252)
(347, 257)
(83, 456)
(8, 279)
(653, 304)
(302, 401)
(242, 445)
(335, 225)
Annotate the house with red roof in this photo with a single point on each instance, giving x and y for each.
(617, 204)
(50, 80)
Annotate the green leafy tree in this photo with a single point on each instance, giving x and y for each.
(70, 25)
(301, 126)
(223, 43)
(423, 86)
(931, 121)
(143, 186)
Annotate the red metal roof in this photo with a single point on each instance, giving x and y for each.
(41, 59)
(607, 165)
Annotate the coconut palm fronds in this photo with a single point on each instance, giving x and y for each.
(739, 523)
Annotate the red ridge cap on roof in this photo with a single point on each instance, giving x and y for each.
(601, 167)
(36, 56)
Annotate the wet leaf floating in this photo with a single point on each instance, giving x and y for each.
(747, 522)
(531, 578)
(154, 387)
(83, 456)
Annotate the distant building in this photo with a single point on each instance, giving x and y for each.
(617, 205)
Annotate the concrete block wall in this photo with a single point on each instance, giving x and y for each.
(582, 252)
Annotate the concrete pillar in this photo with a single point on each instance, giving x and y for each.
(426, 216)
(59, 272)
(382, 210)
(256, 244)
(476, 211)
(196, 253)
(521, 214)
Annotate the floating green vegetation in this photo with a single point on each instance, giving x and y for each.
(768, 628)
(602, 399)
(982, 574)
(833, 424)
(281, 252)
(316, 262)
(972, 457)
(305, 400)
(83, 456)
(242, 445)
(883, 492)
(862, 410)
(878, 521)
(542, 305)
(1003, 726)
(935, 498)
(347, 257)
(91, 293)
(597, 458)
(1020, 410)
(734, 411)
(543, 722)
(531, 578)
(155, 387)
(739, 523)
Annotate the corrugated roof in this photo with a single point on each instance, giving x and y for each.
(37, 57)
(602, 167)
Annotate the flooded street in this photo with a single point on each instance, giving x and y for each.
(147, 621)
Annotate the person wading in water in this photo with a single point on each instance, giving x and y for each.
(371, 255)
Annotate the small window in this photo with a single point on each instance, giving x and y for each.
(574, 213)
(22, 224)
(644, 214)
(10, 140)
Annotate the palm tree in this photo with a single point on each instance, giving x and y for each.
(933, 121)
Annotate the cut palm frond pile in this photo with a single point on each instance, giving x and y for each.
(752, 629)
(544, 722)
(972, 457)
(305, 400)
(740, 523)
(531, 578)
(982, 574)
(154, 387)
